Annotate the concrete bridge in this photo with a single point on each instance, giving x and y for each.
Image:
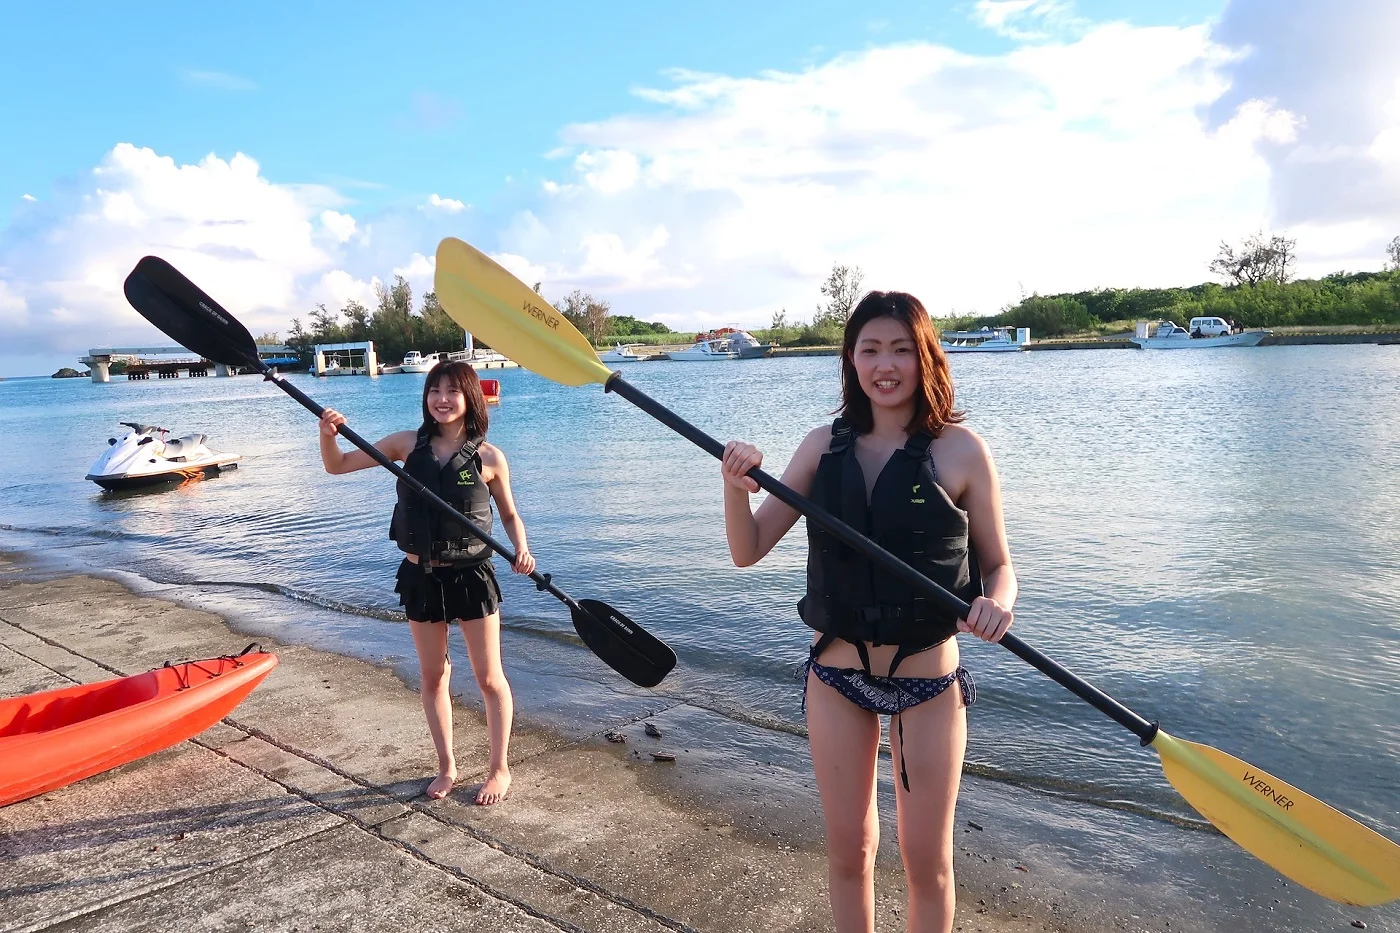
(174, 358)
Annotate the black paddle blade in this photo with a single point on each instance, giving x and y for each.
(622, 644)
(191, 318)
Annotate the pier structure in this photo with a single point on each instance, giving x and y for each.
(166, 362)
(345, 359)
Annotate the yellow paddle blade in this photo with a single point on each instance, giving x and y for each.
(1303, 838)
(504, 312)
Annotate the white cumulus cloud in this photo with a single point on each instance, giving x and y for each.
(418, 272)
(963, 178)
(450, 205)
(609, 171)
(1023, 19)
(341, 226)
(338, 288)
(13, 308)
(268, 252)
(1334, 66)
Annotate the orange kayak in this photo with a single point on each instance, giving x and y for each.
(49, 740)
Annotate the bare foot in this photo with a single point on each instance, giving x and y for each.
(442, 785)
(494, 790)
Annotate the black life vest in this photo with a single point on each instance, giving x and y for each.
(854, 599)
(421, 528)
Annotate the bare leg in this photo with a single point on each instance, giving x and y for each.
(935, 737)
(430, 638)
(484, 648)
(844, 740)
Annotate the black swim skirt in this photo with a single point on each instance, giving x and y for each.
(448, 592)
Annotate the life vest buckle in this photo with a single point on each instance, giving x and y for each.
(841, 435)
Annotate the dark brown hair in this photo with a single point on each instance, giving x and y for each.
(933, 402)
(461, 376)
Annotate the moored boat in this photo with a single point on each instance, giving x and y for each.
(748, 345)
(49, 740)
(478, 358)
(486, 355)
(986, 340)
(716, 348)
(415, 362)
(1167, 335)
(621, 353)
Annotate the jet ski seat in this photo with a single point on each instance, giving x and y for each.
(191, 445)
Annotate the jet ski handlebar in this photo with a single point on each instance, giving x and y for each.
(143, 428)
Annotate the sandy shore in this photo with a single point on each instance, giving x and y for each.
(303, 810)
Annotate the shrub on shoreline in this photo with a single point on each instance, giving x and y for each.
(1367, 299)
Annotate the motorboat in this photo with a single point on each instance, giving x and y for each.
(487, 355)
(748, 345)
(986, 340)
(621, 353)
(1167, 335)
(478, 358)
(334, 368)
(143, 457)
(415, 362)
(712, 349)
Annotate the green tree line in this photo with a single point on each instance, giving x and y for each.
(1360, 298)
(394, 325)
(594, 318)
(1258, 292)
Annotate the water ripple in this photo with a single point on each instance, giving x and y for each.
(1209, 537)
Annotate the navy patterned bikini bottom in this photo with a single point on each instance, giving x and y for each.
(887, 696)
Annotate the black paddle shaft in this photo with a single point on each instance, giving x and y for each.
(951, 604)
(620, 642)
(541, 580)
(165, 297)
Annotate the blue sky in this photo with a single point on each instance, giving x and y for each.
(693, 169)
(392, 103)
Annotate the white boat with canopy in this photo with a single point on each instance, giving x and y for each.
(986, 340)
(621, 353)
(706, 350)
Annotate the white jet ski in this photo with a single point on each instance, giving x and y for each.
(143, 457)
